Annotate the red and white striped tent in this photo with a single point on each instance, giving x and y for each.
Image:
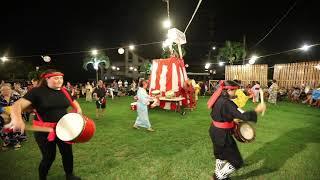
(168, 74)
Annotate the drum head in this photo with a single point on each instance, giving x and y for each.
(70, 126)
(247, 131)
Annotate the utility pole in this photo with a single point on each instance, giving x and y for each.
(244, 50)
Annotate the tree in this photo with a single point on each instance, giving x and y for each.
(145, 67)
(34, 74)
(232, 52)
(98, 61)
(15, 69)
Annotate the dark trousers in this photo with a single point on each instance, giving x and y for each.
(225, 147)
(48, 151)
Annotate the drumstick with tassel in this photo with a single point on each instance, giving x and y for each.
(262, 99)
(38, 128)
(33, 128)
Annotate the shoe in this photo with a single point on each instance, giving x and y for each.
(150, 129)
(72, 177)
(214, 177)
(136, 127)
(5, 146)
(17, 146)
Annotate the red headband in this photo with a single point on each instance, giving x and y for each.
(48, 75)
(218, 92)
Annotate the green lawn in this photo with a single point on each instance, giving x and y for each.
(287, 146)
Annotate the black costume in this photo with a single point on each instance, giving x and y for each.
(224, 111)
(224, 145)
(51, 105)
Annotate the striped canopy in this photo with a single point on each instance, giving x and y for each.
(167, 74)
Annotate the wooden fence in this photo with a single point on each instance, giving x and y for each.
(295, 74)
(248, 73)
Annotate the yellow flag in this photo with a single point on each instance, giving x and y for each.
(241, 99)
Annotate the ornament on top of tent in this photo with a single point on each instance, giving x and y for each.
(177, 37)
(46, 58)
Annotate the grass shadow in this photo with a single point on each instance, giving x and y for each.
(274, 154)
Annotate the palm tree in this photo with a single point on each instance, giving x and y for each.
(232, 51)
(98, 61)
(146, 68)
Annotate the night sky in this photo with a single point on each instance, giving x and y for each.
(46, 27)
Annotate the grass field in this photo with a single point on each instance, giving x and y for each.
(287, 146)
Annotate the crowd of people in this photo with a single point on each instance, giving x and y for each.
(273, 93)
(114, 89)
(8, 96)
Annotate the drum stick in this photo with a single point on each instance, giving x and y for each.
(38, 128)
(262, 100)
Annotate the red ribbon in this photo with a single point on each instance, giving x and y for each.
(217, 93)
(48, 75)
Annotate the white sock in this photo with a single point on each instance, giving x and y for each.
(225, 171)
(219, 165)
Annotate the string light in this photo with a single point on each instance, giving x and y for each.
(221, 63)
(251, 61)
(131, 47)
(305, 47)
(94, 52)
(207, 66)
(79, 52)
(4, 59)
(167, 24)
(144, 44)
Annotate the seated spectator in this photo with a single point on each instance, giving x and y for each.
(315, 97)
(282, 93)
(295, 95)
(9, 138)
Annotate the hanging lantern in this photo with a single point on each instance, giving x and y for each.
(46, 58)
(120, 50)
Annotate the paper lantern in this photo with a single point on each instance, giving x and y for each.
(46, 58)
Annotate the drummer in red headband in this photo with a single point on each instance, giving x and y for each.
(224, 110)
(50, 102)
